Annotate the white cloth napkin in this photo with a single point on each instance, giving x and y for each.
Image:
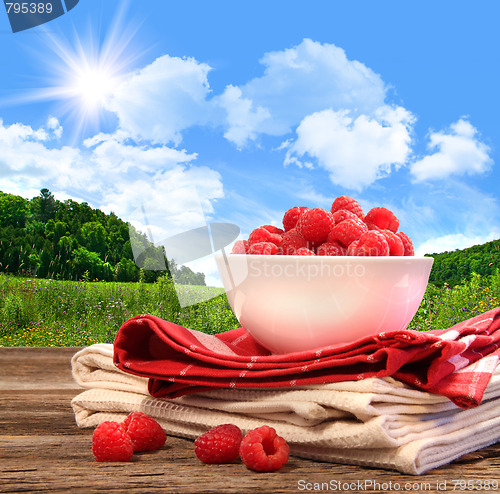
(374, 422)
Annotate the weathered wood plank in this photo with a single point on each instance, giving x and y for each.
(48, 367)
(42, 450)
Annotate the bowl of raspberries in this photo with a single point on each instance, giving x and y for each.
(324, 277)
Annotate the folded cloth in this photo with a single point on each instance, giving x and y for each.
(456, 362)
(378, 422)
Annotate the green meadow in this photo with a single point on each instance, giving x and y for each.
(43, 312)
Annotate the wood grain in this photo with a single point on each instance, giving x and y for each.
(42, 450)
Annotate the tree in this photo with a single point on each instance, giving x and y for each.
(13, 211)
(44, 206)
(84, 261)
(94, 236)
(126, 270)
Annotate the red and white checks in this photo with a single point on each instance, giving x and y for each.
(455, 362)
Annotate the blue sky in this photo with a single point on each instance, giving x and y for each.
(236, 111)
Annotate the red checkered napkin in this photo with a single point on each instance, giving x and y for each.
(455, 362)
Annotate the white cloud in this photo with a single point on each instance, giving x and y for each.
(157, 188)
(454, 241)
(54, 125)
(19, 133)
(244, 122)
(158, 102)
(27, 157)
(170, 95)
(355, 151)
(166, 203)
(112, 153)
(456, 152)
(299, 81)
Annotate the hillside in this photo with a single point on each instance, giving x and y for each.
(67, 240)
(455, 266)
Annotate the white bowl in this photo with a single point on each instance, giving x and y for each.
(296, 303)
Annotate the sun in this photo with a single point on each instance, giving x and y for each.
(89, 72)
(82, 71)
(93, 86)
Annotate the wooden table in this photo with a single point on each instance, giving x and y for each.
(42, 450)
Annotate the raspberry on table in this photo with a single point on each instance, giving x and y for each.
(262, 234)
(263, 248)
(349, 204)
(292, 215)
(372, 243)
(396, 247)
(382, 218)
(221, 444)
(263, 450)
(348, 231)
(315, 225)
(291, 241)
(240, 247)
(407, 244)
(333, 248)
(146, 433)
(111, 442)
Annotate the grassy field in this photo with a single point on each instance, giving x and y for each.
(444, 307)
(39, 312)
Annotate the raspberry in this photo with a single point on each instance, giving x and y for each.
(372, 243)
(312, 231)
(263, 450)
(383, 218)
(291, 241)
(220, 444)
(407, 244)
(344, 214)
(273, 229)
(146, 433)
(240, 247)
(111, 442)
(396, 247)
(304, 251)
(315, 225)
(262, 234)
(349, 204)
(263, 248)
(352, 249)
(292, 215)
(331, 249)
(347, 231)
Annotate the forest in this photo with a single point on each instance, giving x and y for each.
(66, 240)
(454, 267)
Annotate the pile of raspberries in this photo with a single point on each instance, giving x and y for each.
(343, 231)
